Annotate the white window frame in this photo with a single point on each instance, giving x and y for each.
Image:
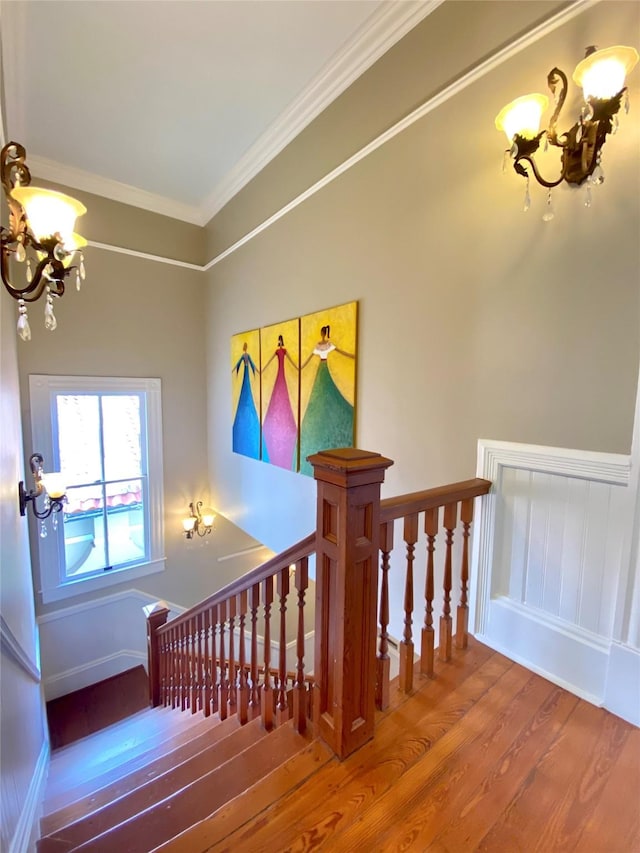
(53, 583)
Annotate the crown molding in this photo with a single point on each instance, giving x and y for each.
(70, 176)
(383, 29)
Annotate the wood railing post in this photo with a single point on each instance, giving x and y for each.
(347, 546)
(156, 615)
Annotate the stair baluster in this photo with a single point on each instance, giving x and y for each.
(223, 699)
(243, 689)
(383, 663)
(428, 633)
(300, 701)
(267, 693)
(406, 646)
(462, 618)
(231, 609)
(282, 711)
(254, 704)
(450, 521)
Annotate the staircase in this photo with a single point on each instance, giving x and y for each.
(233, 732)
(149, 778)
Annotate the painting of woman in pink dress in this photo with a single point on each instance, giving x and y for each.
(280, 425)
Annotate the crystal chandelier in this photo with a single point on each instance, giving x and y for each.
(601, 74)
(40, 232)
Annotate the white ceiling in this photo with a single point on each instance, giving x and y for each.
(173, 105)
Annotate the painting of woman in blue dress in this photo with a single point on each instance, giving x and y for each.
(246, 394)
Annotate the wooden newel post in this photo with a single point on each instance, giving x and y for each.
(157, 615)
(347, 549)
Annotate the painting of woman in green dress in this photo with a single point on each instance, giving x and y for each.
(328, 377)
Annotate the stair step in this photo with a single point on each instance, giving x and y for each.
(198, 800)
(263, 794)
(132, 774)
(89, 764)
(156, 790)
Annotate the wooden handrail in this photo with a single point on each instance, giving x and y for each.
(304, 548)
(207, 658)
(403, 505)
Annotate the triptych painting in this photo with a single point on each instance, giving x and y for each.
(294, 387)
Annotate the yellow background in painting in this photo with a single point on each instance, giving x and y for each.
(343, 322)
(290, 331)
(252, 340)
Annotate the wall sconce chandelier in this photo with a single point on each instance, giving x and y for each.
(198, 521)
(601, 74)
(40, 221)
(54, 493)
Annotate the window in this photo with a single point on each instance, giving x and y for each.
(105, 435)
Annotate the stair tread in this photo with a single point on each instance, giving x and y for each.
(133, 773)
(161, 788)
(96, 759)
(162, 821)
(263, 794)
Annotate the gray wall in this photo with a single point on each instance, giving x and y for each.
(476, 320)
(139, 317)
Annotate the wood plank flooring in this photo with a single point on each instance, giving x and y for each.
(488, 757)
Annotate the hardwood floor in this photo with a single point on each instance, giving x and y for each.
(488, 757)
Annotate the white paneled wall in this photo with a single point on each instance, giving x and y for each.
(552, 567)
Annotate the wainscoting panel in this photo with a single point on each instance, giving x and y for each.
(550, 547)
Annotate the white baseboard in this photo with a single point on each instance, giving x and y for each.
(92, 672)
(27, 829)
(622, 692)
(530, 638)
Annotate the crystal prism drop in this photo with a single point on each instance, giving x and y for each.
(546, 144)
(29, 272)
(43, 530)
(626, 102)
(614, 124)
(50, 322)
(54, 520)
(587, 198)
(24, 330)
(527, 198)
(20, 253)
(78, 280)
(597, 176)
(82, 269)
(579, 133)
(549, 213)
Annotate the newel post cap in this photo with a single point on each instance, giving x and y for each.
(156, 610)
(349, 466)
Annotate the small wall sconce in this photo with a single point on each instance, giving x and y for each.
(200, 520)
(41, 221)
(54, 488)
(601, 74)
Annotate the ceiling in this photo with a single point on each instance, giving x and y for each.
(174, 105)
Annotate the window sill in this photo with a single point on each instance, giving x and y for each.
(111, 578)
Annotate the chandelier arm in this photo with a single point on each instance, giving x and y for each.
(13, 169)
(536, 173)
(555, 76)
(34, 289)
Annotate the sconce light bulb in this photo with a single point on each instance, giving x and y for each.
(49, 212)
(602, 74)
(522, 116)
(54, 485)
(189, 523)
(208, 517)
